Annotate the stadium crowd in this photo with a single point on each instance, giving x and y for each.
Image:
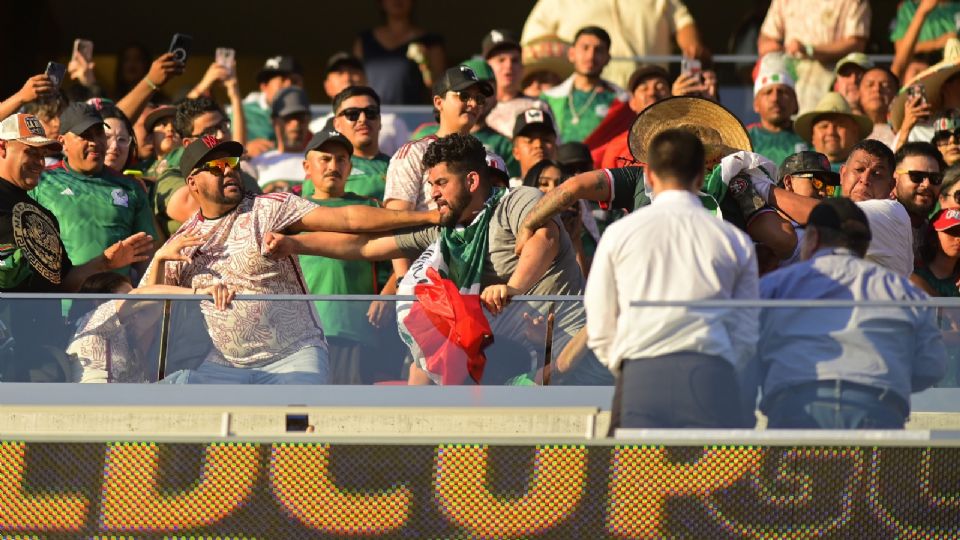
(532, 180)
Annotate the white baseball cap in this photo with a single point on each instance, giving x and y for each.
(25, 128)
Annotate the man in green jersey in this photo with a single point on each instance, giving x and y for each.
(277, 73)
(581, 102)
(95, 208)
(775, 100)
(350, 336)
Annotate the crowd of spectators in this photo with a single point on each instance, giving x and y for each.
(540, 143)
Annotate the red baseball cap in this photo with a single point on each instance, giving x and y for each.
(946, 219)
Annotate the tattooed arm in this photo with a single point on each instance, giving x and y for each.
(593, 186)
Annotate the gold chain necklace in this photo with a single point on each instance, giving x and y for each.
(573, 111)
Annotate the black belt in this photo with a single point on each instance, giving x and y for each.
(885, 396)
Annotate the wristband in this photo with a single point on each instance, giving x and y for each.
(151, 84)
(808, 48)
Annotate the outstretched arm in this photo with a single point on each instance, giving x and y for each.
(350, 247)
(362, 219)
(592, 186)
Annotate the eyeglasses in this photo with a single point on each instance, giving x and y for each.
(121, 140)
(353, 113)
(917, 177)
(223, 128)
(941, 138)
(476, 97)
(219, 165)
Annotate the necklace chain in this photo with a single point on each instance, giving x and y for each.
(573, 111)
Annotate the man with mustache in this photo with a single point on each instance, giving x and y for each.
(919, 174)
(280, 169)
(775, 100)
(280, 342)
(95, 208)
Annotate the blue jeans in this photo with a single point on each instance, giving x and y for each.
(310, 365)
(835, 405)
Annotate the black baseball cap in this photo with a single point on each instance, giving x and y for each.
(278, 65)
(460, 78)
(809, 162)
(290, 100)
(499, 40)
(79, 117)
(201, 149)
(574, 153)
(328, 135)
(532, 118)
(340, 60)
(644, 72)
(841, 215)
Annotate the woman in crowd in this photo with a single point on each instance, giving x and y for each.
(939, 272)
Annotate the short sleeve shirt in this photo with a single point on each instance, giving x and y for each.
(775, 146)
(250, 333)
(942, 20)
(816, 21)
(407, 177)
(32, 256)
(273, 166)
(368, 177)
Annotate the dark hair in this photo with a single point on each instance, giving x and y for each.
(461, 153)
(190, 109)
(124, 87)
(841, 223)
(919, 148)
(353, 91)
(876, 149)
(532, 178)
(49, 107)
(951, 175)
(110, 110)
(676, 155)
(101, 283)
(890, 75)
(594, 31)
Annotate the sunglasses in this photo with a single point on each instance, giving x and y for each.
(917, 177)
(353, 113)
(220, 165)
(941, 138)
(817, 183)
(476, 97)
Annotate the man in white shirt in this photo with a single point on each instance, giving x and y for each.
(282, 169)
(675, 365)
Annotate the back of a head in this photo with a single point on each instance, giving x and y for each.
(188, 110)
(876, 149)
(841, 223)
(461, 153)
(676, 156)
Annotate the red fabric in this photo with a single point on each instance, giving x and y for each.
(617, 153)
(617, 121)
(450, 329)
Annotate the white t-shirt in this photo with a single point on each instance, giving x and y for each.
(273, 166)
(891, 244)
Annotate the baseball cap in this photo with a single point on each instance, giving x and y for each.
(949, 120)
(809, 161)
(855, 58)
(164, 111)
(946, 219)
(290, 100)
(771, 76)
(840, 215)
(79, 117)
(277, 65)
(481, 68)
(460, 78)
(328, 135)
(531, 118)
(497, 168)
(499, 40)
(644, 72)
(25, 128)
(340, 60)
(201, 149)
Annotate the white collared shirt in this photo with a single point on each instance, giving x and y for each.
(673, 249)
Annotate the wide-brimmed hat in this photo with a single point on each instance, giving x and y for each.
(932, 80)
(830, 103)
(717, 128)
(547, 53)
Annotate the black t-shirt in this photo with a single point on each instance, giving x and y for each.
(32, 255)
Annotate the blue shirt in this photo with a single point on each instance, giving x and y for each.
(897, 349)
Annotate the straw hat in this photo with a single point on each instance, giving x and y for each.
(830, 103)
(547, 53)
(717, 128)
(932, 80)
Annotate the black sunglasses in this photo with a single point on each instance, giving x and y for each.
(353, 113)
(917, 177)
(943, 137)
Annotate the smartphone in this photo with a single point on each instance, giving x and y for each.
(180, 47)
(84, 47)
(225, 57)
(917, 90)
(691, 66)
(56, 72)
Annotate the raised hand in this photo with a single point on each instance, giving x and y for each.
(132, 249)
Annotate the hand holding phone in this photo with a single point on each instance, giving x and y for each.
(180, 47)
(55, 72)
(691, 67)
(83, 47)
(225, 57)
(917, 90)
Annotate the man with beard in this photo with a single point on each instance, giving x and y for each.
(919, 174)
(475, 218)
(281, 169)
(775, 100)
(282, 342)
(95, 208)
(946, 136)
(581, 102)
(878, 87)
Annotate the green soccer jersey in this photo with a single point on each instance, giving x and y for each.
(94, 211)
(775, 145)
(588, 109)
(345, 320)
(368, 177)
(942, 20)
(258, 122)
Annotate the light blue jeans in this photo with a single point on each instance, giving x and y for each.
(310, 365)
